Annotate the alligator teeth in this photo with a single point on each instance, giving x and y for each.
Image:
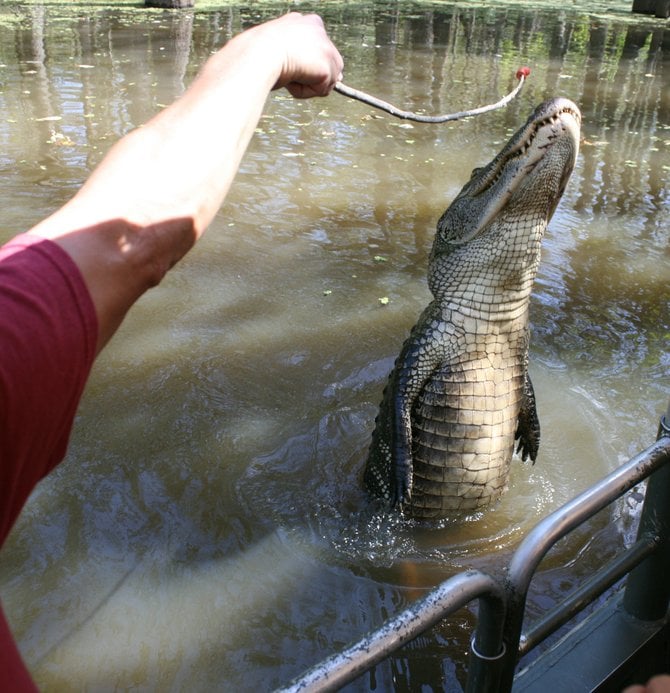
(523, 147)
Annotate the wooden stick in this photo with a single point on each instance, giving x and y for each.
(341, 88)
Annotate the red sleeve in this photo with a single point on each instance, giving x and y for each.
(14, 677)
(48, 335)
(48, 332)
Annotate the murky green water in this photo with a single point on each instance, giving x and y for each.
(207, 531)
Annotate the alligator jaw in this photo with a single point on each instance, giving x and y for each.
(554, 122)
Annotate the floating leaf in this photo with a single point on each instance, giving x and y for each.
(60, 139)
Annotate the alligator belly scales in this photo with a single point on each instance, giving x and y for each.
(459, 397)
(464, 426)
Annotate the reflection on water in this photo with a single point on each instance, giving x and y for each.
(208, 529)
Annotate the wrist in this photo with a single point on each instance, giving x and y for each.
(255, 54)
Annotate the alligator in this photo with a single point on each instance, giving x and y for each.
(459, 398)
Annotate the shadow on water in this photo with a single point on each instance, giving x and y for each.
(208, 529)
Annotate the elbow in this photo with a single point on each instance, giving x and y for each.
(149, 252)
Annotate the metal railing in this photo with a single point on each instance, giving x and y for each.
(498, 641)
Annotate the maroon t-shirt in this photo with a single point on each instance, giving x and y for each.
(48, 334)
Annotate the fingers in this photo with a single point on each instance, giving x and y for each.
(657, 684)
(307, 91)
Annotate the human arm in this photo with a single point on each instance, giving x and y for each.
(159, 187)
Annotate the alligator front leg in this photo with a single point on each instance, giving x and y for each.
(528, 426)
(401, 450)
(388, 473)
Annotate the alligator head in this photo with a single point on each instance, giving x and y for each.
(508, 204)
(530, 172)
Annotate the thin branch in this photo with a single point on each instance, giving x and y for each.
(521, 75)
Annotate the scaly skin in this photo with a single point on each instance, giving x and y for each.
(459, 394)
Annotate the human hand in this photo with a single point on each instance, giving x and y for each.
(657, 684)
(311, 64)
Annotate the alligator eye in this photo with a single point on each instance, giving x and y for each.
(475, 171)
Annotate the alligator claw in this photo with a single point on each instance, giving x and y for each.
(528, 442)
(401, 498)
(402, 477)
(523, 451)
